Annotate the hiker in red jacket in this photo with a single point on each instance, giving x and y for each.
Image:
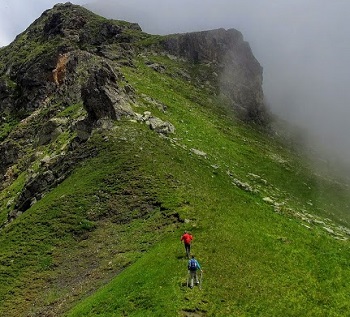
(187, 238)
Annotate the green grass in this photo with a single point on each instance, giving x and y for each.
(256, 262)
(7, 127)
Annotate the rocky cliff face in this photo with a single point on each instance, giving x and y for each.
(62, 78)
(239, 73)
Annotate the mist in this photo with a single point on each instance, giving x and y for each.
(303, 46)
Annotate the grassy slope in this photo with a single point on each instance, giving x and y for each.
(256, 262)
(93, 230)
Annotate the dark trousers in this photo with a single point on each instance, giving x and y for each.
(188, 249)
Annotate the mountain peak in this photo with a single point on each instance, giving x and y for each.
(77, 24)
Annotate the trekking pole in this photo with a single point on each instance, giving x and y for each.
(200, 280)
(188, 277)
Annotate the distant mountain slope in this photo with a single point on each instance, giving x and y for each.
(115, 141)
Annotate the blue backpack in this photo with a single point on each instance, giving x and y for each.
(192, 265)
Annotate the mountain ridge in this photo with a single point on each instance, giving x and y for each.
(44, 82)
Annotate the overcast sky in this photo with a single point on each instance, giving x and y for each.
(303, 46)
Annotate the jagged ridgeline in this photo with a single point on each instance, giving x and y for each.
(114, 141)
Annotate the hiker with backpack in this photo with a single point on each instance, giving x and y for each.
(193, 266)
(187, 238)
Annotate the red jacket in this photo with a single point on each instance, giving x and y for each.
(186, 238)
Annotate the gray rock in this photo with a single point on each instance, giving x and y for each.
(158, 68)
(50, 131)
(268, 200)
(102, 97)
(160, 126)
(243, 185)
(198, 152)
(240, 74)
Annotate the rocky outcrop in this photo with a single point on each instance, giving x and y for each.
(74, 23)
(53, 171)
(50, 131)
(102, 97)
(9, 154)
(240, 74)
(156, 124)
(59, 71)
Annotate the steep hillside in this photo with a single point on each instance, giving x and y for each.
(115, 141)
